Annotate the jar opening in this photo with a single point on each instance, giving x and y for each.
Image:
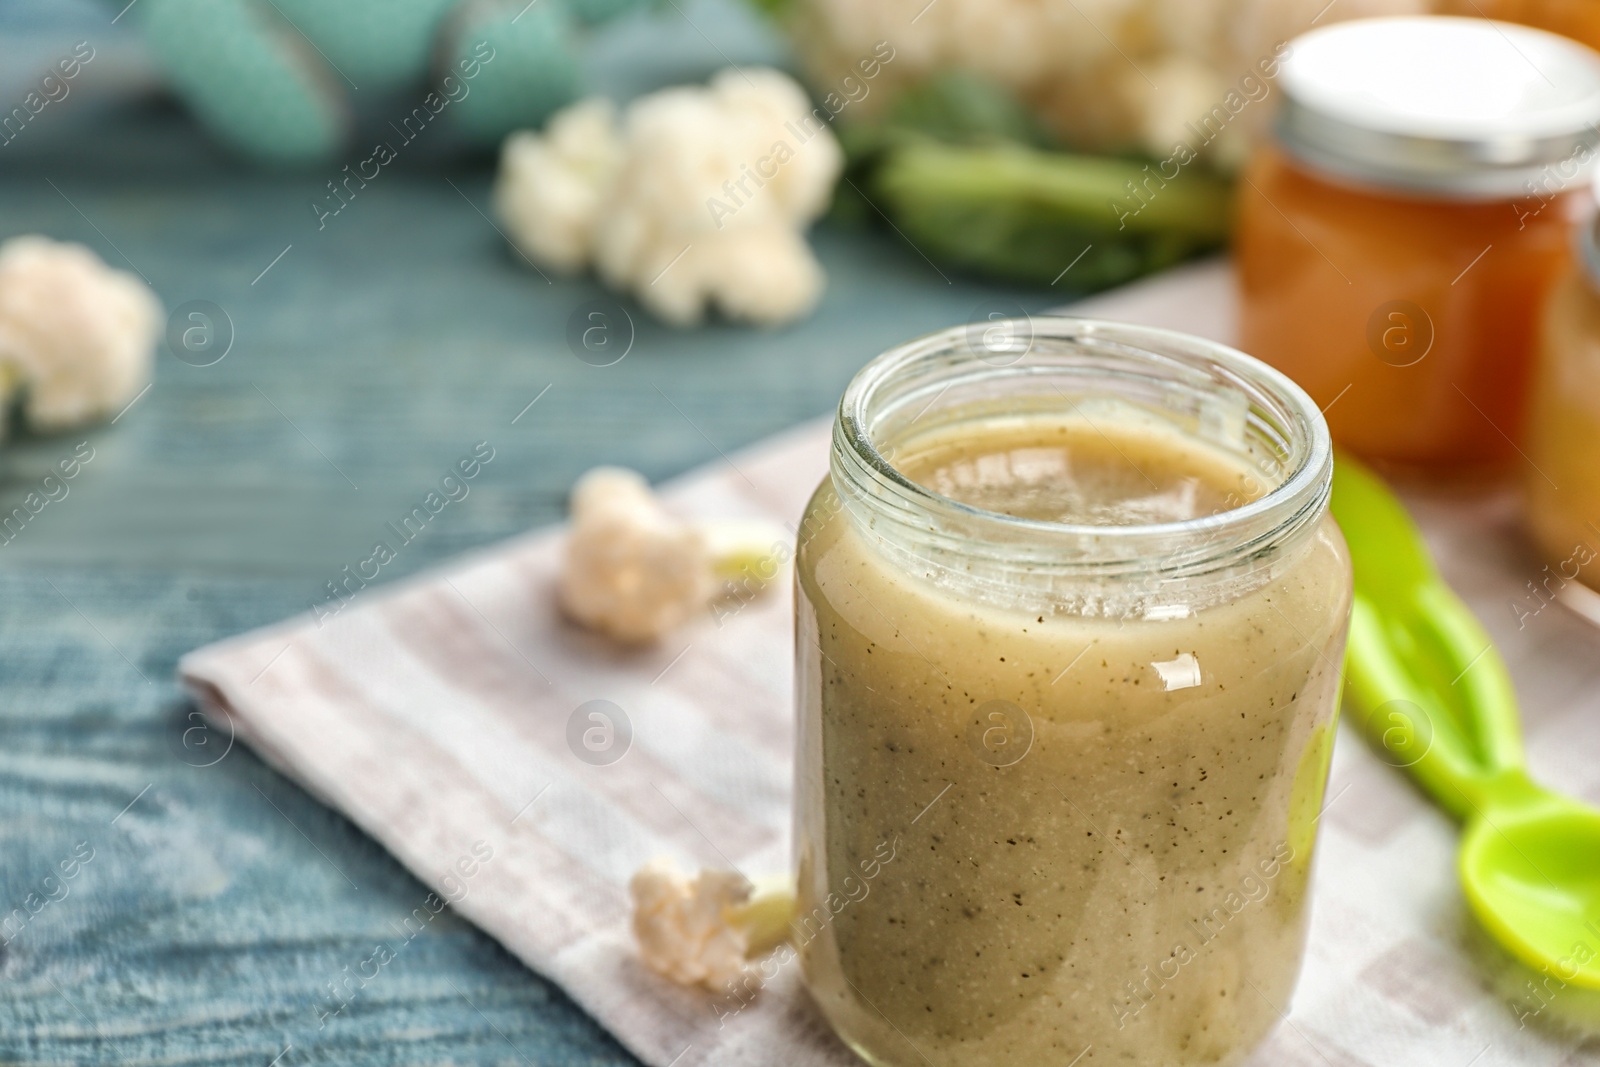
(1212, 396)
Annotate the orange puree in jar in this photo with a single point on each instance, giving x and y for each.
(1410, 320)
(1397, 240)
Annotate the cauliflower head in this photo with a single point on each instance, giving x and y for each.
(685, 926)
(703, 202)
(701, 929)
(1103, 74)
(551, 188)
(77, 335)
(634, 572)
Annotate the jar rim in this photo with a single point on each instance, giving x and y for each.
(1295, 501)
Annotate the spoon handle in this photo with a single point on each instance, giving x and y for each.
(1423, 679)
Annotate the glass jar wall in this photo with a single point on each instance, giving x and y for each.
(1561, 478)
(1068, 635)
(1396, 242)
(1411, 320)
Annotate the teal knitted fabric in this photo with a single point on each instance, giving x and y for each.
(255, 87)
(273, 79)
(534, 70)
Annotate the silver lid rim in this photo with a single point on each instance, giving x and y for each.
(1462, 171)
(1555, 149)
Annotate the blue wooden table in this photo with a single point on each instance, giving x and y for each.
(205, 925)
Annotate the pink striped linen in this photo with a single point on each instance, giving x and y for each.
(434, 713)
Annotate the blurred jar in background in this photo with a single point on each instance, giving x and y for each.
(1578, 19)
(1396, 241)
(1562, 477)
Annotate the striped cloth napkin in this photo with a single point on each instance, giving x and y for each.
(446, 715)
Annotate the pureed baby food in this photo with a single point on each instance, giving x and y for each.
(1068, 638)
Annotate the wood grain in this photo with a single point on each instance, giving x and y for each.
(220, 905)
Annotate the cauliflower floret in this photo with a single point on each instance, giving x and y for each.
(1104, 74)
(763, 274)
(551, 188)
(76, 334)
(633, 571)
(706, 201)
(702, 930)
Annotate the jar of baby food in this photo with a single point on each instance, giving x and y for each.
(1069, 622)
(1561, 478)
(1396, 241)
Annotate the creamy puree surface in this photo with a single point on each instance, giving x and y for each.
(1100, 828)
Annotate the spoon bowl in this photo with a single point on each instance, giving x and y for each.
(1429, 688)
(1532, 876)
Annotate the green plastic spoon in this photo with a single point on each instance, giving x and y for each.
(1429, 687)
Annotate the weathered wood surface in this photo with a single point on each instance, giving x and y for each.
(209, 923)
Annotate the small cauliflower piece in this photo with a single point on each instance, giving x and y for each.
(634, 572)
(700, 200)
(701, 930)
(551, 188)
(75, 334)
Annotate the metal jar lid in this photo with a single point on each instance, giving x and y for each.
(1453, 107)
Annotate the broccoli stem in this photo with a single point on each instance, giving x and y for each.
(1024, 213)
(746, 551)
(1098, 190)
(766, 916)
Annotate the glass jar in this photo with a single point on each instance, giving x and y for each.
(1395, 244)
(1561, 479)
(1057, 782)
